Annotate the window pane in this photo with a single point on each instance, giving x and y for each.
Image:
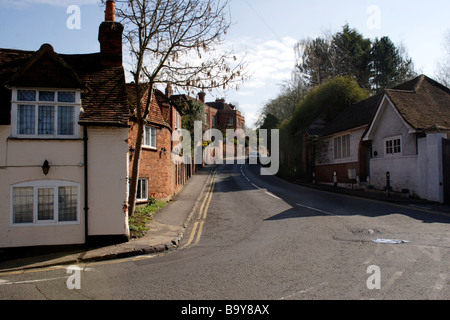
(67, 203)
(141, 193)
(147, 136)
(46, 120)
(66, 115)
(26, 95)
(46, 96)
(46, 203)
(23, 205)
(153, 141)
(66, 96)
(25, 119)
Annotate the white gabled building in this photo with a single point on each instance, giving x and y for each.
(406, 137)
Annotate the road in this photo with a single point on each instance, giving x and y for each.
(261, 238)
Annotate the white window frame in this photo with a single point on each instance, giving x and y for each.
(15, 103)
(139, 196)
(45, 184)
(394, 152)
(342, 147)
(149, 144)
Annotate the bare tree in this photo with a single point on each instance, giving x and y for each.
(175, 42)
(443, 66)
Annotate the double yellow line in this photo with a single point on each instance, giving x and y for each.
(200, 221)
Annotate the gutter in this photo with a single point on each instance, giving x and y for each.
(86, 202)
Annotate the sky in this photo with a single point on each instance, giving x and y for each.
(266, 31)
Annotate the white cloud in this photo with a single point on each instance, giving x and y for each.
(269, 61)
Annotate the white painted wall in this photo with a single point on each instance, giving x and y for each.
(418, 168)
(21, 161)
(326, 156)
(108, 181)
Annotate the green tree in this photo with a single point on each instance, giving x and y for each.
(327, 101)
(389, 67)
(353, 55)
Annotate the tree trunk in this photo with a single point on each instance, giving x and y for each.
(134, 178)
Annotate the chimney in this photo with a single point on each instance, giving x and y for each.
(110, 12)
(169, 90)
(110, 38)
(202, 96)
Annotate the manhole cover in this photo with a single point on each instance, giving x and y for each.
(368, 231)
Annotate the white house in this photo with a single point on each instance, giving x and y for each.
(63, 144)
(406, 136)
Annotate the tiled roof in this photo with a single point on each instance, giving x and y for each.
(155, 115)
(104, 97)
(423, 103)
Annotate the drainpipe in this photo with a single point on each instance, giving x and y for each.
(86, 207)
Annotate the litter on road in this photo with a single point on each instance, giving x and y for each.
(390, 241)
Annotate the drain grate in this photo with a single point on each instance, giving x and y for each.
(368, 231)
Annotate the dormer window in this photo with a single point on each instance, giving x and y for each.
(48, 114)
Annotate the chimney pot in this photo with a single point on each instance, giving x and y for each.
(169, 90)
(202, 96)
(110, 12)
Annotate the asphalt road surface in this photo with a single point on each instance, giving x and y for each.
(261, 238)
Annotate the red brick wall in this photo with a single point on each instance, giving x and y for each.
(155, 165)
(325, 173)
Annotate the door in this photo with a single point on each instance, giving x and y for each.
(446, 168)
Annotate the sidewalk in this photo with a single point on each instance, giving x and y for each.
(166, 231)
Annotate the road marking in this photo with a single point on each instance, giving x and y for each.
(202, 214)
(315, 209)
(30, 281)
(272, 195)
(192, 235)
(255, 186)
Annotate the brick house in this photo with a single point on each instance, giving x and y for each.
(159, 176)
(222, 115)
(63, 151)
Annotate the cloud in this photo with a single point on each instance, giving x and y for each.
(269, 61)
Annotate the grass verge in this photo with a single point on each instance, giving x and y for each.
(143, 215)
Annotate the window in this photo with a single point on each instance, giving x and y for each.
(47, 114)
(213, 120)
(45, 202)
(393, 146)
(150, 140)
(230, 121)
(342, 147)
(142, 190)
